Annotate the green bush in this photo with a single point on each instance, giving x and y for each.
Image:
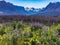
(18, 33)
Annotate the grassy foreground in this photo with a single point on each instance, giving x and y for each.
(18, 33)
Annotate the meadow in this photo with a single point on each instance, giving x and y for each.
(19, 33)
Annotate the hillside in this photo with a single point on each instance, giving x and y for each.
(52, 9)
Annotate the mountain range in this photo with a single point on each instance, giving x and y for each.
(52, 9)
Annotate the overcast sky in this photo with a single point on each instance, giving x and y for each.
(32, 3)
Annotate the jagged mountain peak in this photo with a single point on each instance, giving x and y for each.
(52, 9)
(53, 5)
(8, 8)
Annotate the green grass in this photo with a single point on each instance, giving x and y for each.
(18, 33)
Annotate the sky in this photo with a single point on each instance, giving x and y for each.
(32, 3)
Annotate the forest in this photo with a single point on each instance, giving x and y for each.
(22, 30)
